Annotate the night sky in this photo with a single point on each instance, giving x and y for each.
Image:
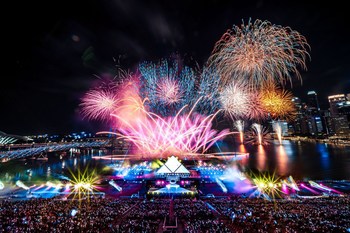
(53, 50)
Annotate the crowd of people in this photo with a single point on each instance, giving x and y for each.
(196, 217)
(145, 217)
(231, 214)
(53, 215)
(330, 214)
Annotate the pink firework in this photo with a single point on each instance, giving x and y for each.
(256, 108)
(98, 104)
(168, 91)
(155, 136)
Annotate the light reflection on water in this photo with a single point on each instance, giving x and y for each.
(323, 150)
(261, 158)
(299, 159)
(282, 160)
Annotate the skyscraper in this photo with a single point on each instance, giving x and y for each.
(340, 125)
(333, 101)
(312, 100)
(344, 110)
(296, 125)
(313, 115)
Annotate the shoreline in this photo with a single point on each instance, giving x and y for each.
(335, 141)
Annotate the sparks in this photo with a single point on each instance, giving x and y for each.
(99, 104)
(259, 135)
(240, 127)
(168, 85)
(259, 51)
(180, 135)
(278, 102)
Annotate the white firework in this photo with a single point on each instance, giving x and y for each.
(235, 101)
(168, 91)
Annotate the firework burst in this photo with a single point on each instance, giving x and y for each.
(168, 91)
(168, 86)
(240, 102)
(256, 109)
(180, 135)
(98, 104)
(278, 102)
(208, 92)
(235, 100)
(259, 51)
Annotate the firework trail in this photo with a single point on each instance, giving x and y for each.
(208, 92)
(131, 108)
(258, 129)
(98, 104)
(257, 52)
(259, 135)
(109, 81)
(277, 102)
(240, 127)
(278, 130)
(168, 86)
(179, 135)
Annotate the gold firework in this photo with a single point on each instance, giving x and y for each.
(277, 102)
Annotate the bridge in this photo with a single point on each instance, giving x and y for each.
(11, 138)
(44, 148)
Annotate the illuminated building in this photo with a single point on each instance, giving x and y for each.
(313, 101)
(334, 100)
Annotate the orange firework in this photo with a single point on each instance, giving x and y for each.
(257, 52)
(277, 102)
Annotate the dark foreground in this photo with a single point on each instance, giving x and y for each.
(231, 214)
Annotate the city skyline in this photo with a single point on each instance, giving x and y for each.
(52, 62)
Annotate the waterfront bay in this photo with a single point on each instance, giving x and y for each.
(302, 160)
